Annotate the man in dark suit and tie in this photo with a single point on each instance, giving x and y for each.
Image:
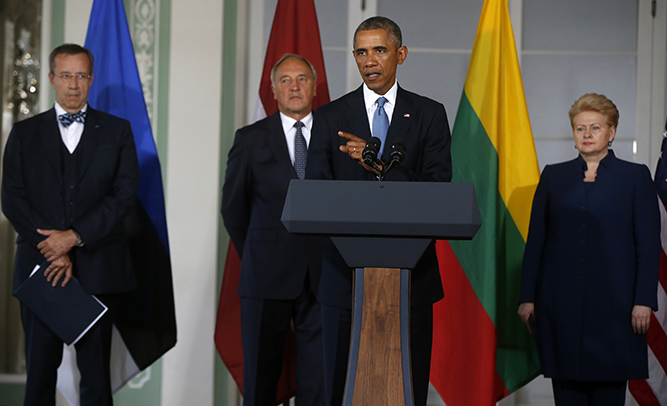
(279, 270)
(382, 109)
(70, 176)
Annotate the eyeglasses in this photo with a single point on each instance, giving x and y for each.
(67, 77)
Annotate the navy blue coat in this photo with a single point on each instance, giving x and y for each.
(33, 197)
(422, 125)
(593, 252)
(274, 262)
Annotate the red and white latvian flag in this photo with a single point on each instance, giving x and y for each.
(294, 31)
(653, 391)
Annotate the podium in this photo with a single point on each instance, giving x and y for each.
(381, 229)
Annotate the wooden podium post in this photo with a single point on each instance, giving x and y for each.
(376, 373)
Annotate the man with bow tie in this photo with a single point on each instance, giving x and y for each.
(70, 176)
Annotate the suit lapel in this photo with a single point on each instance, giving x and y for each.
(51, 142)
(89, 140)
(356, 115)
(278, 145)
(404, 113)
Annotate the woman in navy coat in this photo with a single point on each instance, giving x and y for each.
(591, 264)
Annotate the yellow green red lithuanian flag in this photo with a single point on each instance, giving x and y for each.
(481, 349)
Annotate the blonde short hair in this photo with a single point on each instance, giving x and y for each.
(598, 103)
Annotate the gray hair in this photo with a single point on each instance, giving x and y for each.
(290, 56)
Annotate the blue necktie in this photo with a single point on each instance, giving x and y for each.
(68, 118)
(300, 151)
(380, 123)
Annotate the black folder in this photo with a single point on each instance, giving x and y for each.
(68, 311)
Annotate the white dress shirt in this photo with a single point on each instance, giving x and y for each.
(370, 98)
(290, 131)
(70, 135)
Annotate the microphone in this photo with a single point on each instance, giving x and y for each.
(370, 153)
(397, 152)
(397, 156)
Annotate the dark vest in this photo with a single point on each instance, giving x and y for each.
(71, 164)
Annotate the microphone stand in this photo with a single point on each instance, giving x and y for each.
(397, 156)
(370, 157)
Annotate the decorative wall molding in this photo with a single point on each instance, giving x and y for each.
(145, 31)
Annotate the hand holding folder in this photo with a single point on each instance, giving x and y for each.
(68, 311)
(59, 271)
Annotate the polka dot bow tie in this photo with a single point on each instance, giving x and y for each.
(67, 119)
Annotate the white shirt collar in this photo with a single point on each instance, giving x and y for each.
(60, 110)
(290, 131)
(72, 134)
(370, 97)
(288, 122)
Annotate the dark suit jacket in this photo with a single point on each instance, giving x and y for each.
(274, 262)
(33, 196)
(421, 124)
(593, 252)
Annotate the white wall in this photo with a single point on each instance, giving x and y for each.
(77, 14)
(192, 191)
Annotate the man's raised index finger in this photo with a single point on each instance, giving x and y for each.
(349, 136)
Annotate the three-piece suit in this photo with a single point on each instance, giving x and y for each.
(44, 186)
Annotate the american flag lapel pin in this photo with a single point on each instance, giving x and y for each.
(406, 115)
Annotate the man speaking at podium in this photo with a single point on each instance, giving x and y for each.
(379, 108)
